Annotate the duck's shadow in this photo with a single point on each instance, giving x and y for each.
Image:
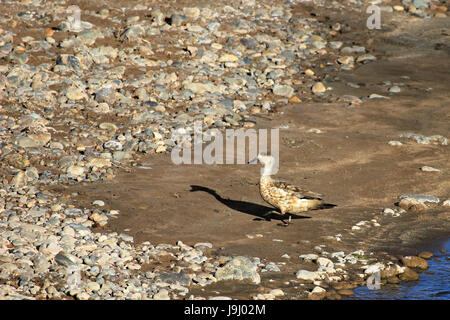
(254, 209)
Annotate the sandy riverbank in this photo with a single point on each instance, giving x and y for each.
(176, 230)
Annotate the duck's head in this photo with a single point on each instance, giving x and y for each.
(267, 161)
(263, 158)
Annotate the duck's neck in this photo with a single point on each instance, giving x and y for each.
(266, 172)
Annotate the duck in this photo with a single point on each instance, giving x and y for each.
(283, 196)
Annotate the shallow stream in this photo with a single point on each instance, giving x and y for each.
(433, 284)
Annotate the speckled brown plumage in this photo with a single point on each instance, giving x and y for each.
(287, 198)
(283, 196)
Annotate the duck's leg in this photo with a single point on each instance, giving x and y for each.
(283, 212)
(267, 214)
(286, 223)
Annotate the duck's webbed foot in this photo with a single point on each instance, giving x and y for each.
(285, 224)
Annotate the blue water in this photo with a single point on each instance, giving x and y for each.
(430, 286)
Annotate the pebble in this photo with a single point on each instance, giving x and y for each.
(377, 96)
(409, 275)
(371, 269)
(271, 267)
(353, 100)
(93, 286)
(425, 255)
(65, 260)
(395, 143)
(420, 197)
(309, 275)
(99, 203)
(415, 262)
(176, 278)
(412, 204)
(318, 88)
(283, 90)
(429, 169)
(75, 94)
(239, 268)
(309, 72)
(348, 60)
(32, 141)
(318, 293)
(75, 171)
(391, 271)
(162, 294)
(365, 58)
(277, 292)
(310, 256)
(325, 262)
(395, 89)
(421, 139)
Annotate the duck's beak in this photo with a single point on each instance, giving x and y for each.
(253, 161)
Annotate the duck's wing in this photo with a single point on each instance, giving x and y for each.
(296, 191)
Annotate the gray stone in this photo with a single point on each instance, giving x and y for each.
(18, 58)
(88, 37)
(8, 268)
(420, 4)
(113, 145)
(272, 267)
(249, 43)
(5, 49)
(41, 264)
(176, 278)
(122, 155)
(19, 180)
(105, 95)
(309, 275)
(64, 260)
(37, 212)
(283, 90)
(177, 19)
(73, 212)
(28, 142)
(420, 197)
(421, 139)
(213, 26)
(69, 61)
(239, 268)
(132, 33)
(126, 237)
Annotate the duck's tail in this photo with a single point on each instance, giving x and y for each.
(317, 204)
